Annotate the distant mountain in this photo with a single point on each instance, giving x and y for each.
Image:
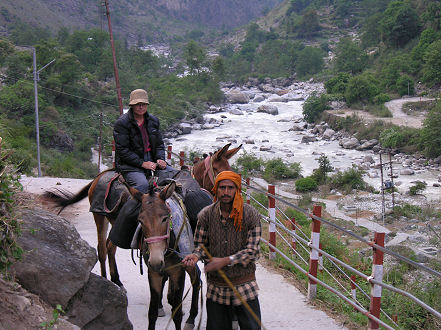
(135, 19)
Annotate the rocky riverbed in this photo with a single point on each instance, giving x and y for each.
(266, 118)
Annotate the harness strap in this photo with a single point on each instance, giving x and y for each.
(208, 161)
(115, 176)
(155, 239)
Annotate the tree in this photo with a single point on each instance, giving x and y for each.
(308, 25)
(309, 61)
(400, 23)
(6, 49)
(314, 107)
(218, 67)
(338, 83)
(432, 63)
(371, 31)
(195, 56)
(349, 57)
(431, 139)
(362, 88)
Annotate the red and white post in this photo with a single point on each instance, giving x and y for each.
(320, 265)
(353, 288)
(247, 180)
(169, 152)
(272, 220)
(314, 255)
(294, 239)
(377, 274)
(181, 158)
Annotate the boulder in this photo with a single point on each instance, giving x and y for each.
(352, 143)
(237, 97)
(270, 109)
(258, 98)
(185, 128)
(57, 266)
(328, 133)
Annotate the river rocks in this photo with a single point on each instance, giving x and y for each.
(328, 133)
(366, 145)
(407, 171)
(270, 109)
(349, 143)
(235, 111)
(57, 267)
(258, 98)
(237, 97)
(277, 98)
(186, 128)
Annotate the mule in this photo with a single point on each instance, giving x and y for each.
(162, 260)
(205, 170)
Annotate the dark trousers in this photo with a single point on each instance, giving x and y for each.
(220, 317)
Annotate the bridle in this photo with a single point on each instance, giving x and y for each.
(208, 172)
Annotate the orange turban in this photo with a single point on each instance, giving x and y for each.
(237, 210)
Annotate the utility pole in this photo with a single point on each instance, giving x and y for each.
(37, 121)
(115, 65)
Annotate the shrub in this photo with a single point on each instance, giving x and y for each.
(349, 179)
(248, 162)
(391, 138)
(417, 188)
(9, 225)
(277, 169)
(306, 184)
(362, 88)
(320, 173)
(381, 98)
(314, 107)
(405, 85)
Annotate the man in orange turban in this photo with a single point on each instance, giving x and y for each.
(230, 230)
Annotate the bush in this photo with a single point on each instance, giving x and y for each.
(306, 184)
(277, 169)
(351, 178)
(418, 188)
(9, 225)
(391, 138)
(246, 163)
(362, 88)
(381, 98)
(314, 107)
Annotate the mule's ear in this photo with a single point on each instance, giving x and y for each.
(168, 190)
(136, 194)
(232, 152)
(219, 154)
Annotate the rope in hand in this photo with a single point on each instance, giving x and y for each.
(236, 293)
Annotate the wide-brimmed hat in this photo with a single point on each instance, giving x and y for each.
(138, 96)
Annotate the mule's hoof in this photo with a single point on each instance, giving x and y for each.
(161, 312)
(188, 326)
(235, 325)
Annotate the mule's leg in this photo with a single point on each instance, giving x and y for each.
(101, 228)
(176, 283)
(195, 277)
(161, 311)
(111, 251)
(155, 284)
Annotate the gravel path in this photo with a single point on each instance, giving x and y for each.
(399, 117)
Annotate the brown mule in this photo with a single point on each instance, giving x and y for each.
(205, 170)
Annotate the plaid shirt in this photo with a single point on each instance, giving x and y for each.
(249, 253)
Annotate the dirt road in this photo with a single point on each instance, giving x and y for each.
(283, 305)
(399, 117)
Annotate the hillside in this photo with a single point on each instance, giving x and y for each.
(135, 20)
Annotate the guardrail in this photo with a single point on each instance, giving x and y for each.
(316, 253)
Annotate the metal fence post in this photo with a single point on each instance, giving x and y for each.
(377, 274)
(181, 158)
(272, 220)
(294, 240)
(169, 152)
(353, 289)
(314, 255)
(247, 180)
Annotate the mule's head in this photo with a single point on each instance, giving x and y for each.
(154, 216)
(207, 169)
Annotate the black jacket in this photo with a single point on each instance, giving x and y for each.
(129, 154)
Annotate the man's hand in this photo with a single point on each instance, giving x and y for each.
(216, 264)
(190, 260)
(161, 163)
(149, 166)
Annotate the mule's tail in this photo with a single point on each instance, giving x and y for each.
(62, 198)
